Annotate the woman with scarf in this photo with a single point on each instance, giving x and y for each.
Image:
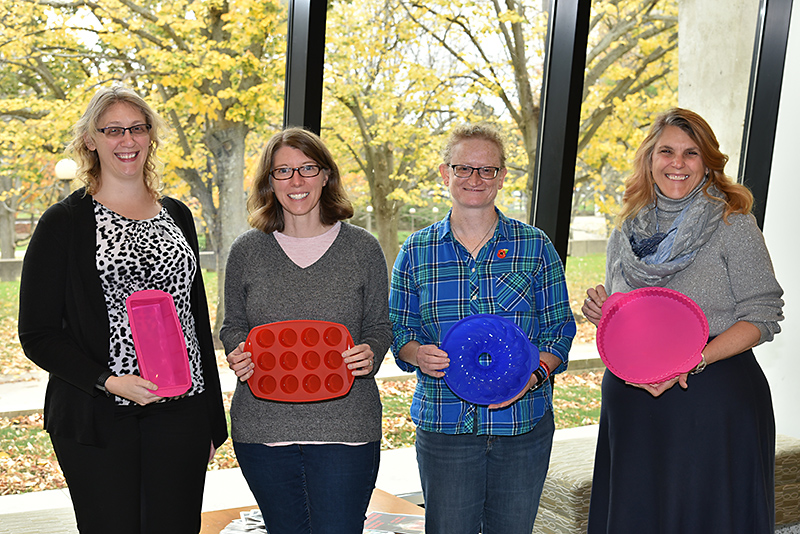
(699, 457)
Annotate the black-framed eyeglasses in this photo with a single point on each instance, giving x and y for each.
(306, 171)
(465, 171)
(119, 131)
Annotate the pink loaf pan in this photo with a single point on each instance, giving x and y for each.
(159, 341)
(651, 335)
(299, 361)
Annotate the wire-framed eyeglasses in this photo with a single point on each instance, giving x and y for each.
(119, 131)
(306, 171)
(465, 171)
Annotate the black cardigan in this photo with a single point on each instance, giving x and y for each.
(63, 320)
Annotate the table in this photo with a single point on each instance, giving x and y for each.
(381, 501)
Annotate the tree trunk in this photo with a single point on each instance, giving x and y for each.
(228, 147)
(8, 216)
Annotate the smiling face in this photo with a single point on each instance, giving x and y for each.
(120, 157)
(473, 192)
(677, 165)
(298, 196)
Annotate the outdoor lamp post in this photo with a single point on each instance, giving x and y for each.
(369, 218)
(412, 211)
(66, 170)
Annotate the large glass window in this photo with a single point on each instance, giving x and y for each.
(400, 74)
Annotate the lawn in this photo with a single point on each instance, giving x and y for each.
(27, 462)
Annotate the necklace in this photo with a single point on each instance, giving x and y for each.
(472, 252)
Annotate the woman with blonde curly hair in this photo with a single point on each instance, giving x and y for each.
(699, 457)
(134, 460)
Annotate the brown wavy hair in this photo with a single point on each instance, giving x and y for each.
(266, 213)
(640, 185)
(86, 127)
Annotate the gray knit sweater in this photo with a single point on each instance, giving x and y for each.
(731, 278)
(347, 285)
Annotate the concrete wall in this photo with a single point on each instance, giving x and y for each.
(715, 83)
(715, 53)
(781, 358)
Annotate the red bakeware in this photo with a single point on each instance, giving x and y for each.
(299, 361)
(651, 335)
(159, 342)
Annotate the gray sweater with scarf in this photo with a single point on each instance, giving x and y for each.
(347, 285)
(731, 277)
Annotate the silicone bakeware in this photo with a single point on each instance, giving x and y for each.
(299, 361)
(491, 359)
(651, 335)
(159, 341)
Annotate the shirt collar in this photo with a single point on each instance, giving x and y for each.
(444, 229)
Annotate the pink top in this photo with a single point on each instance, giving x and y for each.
(305, 251)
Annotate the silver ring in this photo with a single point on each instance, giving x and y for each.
(588, 299)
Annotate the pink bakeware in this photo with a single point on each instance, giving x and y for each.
(299, 361)
(651, 335)
(159, 342)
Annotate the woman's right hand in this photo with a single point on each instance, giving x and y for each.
(431, 360)
(134, 388)
(241, 362)
(593, 303)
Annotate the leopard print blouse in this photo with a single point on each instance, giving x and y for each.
(134, 255)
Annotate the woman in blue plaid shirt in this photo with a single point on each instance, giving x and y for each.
(482, 467)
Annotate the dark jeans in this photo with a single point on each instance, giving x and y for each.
(324, 489)
(489, 484)
(150, 476)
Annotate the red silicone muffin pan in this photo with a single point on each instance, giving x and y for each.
(299, 361)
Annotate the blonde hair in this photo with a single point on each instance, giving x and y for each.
(86, 128)
(639, 186)
(266, 213)
(481, 130)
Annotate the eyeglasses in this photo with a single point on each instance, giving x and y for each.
(306, 171)
(118, 131)
(465, 171)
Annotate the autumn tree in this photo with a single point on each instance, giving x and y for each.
(213, 68)
(388, 101)
(35, 109)
(499, 45)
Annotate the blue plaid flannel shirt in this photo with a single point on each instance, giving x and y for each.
(436, 282)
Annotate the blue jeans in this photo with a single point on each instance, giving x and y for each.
(311, 488)
(482, 483)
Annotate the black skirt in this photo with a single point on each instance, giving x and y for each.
(698, 460)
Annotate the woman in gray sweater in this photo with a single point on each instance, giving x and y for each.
(311, 465)
(699, 457)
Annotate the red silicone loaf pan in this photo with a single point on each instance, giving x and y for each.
(299, 361)
(159, 342)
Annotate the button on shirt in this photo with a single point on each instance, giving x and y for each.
(436, 282)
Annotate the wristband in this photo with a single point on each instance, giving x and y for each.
(541, 374)
(546, 368)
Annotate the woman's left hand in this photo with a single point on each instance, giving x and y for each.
(657, 389)
(360, 359)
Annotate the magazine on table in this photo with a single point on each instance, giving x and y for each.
(381, 523)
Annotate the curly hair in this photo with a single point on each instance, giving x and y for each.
(481, 130)
(639, 186)
(89, 171)
(266, 213)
